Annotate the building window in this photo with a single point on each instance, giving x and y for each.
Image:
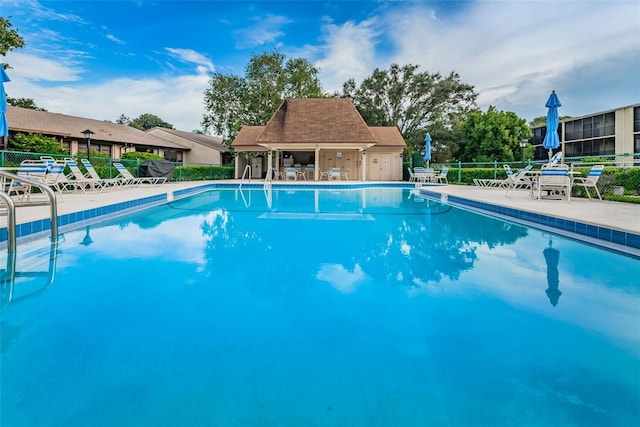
(609, 124)
(636, 119)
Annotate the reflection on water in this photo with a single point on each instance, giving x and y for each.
(282, 304)
(552, 257)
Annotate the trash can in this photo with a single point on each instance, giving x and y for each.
(157, 169)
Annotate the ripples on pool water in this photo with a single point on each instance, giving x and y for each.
(319, 308)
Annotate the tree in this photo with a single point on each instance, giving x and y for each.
(542, 120)
(146, 121)
(494, 135)
(24, 103)
(123, 120)
(234, 101)
(9, 39)
(35, 143)
(416, 102)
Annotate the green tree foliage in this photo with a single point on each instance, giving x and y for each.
(542, 120)
(123, 120)
(416, 102)
(9, 39)
(147, 121)
(234, 101)
(24, 103)
(35, 143)
(138, 155)
(492, 135)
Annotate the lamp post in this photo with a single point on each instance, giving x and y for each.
(523, 144)
(87, 134)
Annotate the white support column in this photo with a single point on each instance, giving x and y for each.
(269, 165)
(364, 165)
(237, 160)
(316, 165)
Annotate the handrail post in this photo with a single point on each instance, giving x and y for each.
(11, 221)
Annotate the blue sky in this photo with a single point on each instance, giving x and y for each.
(100, 59)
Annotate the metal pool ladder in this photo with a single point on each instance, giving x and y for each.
(247, 170)
(11, 207)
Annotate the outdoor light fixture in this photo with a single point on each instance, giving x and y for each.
(364, 152)
(523, 143)
(87, 134)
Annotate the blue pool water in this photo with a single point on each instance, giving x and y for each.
(366, 307)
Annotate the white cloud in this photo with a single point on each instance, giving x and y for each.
(348, 52)
(266, 29)
(515, 62)
(191, 56)
(31, 68)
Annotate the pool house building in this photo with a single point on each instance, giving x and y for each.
(319, 134)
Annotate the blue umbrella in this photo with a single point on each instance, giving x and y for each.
(551, 140)
(427, 148)
(4, 126)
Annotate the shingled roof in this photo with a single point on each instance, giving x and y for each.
(206, 140)
(27, 120)
(317, 121)
(325, 120)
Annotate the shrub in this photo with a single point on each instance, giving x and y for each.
(138, 155)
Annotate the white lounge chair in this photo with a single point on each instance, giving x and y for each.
(79, 180)
(442, 176)
(105, 182)
(519, 180)
(125, 174)
(32, 169)
(590, 181)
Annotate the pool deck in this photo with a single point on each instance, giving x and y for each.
(615, 217)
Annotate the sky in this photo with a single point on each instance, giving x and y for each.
(100, 59)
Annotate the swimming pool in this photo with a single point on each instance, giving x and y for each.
(367, 307)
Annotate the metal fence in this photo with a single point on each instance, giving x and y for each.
(620, 180)
(104, 166)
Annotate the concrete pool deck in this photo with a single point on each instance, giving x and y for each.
(615, 217)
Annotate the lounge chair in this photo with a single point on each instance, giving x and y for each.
(590, 181)
(497, 183)
(79, 180)
(310, 170)
(556, 158)
(554, 179)
(412, 176)
(32, 169)
(105, 182)
(519, 180)
(323, 174)
(129, 179)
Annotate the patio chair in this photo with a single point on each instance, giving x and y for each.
(442, 176)
(277, 175)
(290, 174)
(310, 170)
(323, 174)
(334, 174)
(345, 175)
(554, 179)
(590, 181)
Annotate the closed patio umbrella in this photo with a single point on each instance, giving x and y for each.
(4, 126)
(551, 141)
(427, 148)
(552, 257)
